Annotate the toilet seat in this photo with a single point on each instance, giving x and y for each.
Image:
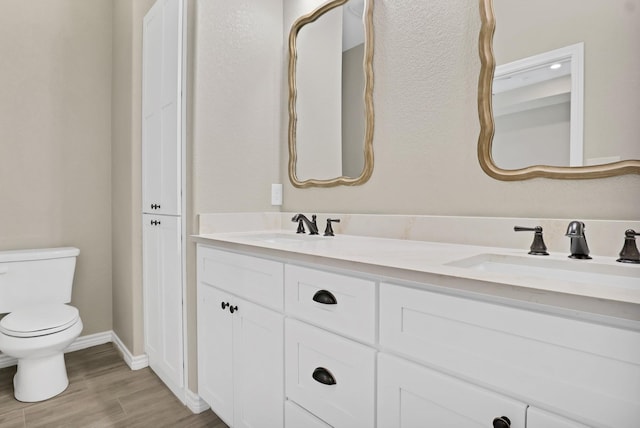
(39, 320)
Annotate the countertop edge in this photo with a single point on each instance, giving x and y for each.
(610, 311)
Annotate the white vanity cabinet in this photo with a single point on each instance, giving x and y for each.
(314, 346)
(240, 342)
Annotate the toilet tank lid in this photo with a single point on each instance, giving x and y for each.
(37, 254)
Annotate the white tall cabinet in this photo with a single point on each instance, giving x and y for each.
(162, 190)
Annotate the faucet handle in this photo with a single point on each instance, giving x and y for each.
(629, 252)
(328, 231)
(538, 248)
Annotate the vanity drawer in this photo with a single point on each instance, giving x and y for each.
(341, 303)
(296, 417)
(410, 395)
(590, 371)
(312, 353)
(255, 279)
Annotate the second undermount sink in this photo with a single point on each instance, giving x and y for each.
(580, 271)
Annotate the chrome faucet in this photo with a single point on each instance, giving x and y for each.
(579, 248)
(302, 220)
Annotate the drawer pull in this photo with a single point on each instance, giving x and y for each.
(323, 376)
(502, 422)
(233, 309)
(325, 297)
(224, 305)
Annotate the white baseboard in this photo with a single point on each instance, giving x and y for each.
(195, 403)
(84, 342)
(135, 362)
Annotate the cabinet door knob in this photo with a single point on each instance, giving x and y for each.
(325, 297)
(502, 422)
(233, 309)
(224, 305)
(323, 376)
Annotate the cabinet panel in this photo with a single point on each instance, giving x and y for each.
(349, 402)
(412, 396)
(162, 108)
(258, 371)
(162, 288)
(590, 371)
(297, 417)
(352, 315)
(215, 351)
(252, 278)
(537, 418)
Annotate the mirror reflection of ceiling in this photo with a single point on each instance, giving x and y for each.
(610, 31)
(352, 28)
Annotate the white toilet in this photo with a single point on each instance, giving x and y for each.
(35, 286)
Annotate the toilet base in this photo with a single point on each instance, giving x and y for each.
(39, 379)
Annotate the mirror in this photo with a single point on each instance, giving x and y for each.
(564, 100)
(331, 94)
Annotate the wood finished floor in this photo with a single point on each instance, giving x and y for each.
(103, 392)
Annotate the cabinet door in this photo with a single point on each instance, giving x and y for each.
(162, 288)
(215, 351)
(412, 396)
(258, 366)
(537, 418)
(161, 108)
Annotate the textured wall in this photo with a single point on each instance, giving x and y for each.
(55, 151)
(426, 70)
(237, 81)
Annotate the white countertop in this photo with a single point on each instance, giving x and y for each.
(429, 262)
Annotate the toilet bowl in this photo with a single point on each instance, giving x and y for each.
(37, 337)
(35, 289)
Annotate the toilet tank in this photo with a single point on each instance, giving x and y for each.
(36, 276)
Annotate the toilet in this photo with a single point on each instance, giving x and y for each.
(35, 287)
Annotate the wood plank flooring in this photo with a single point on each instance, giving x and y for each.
(103, 392)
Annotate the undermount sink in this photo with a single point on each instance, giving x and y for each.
(579, 271)
(276, 238)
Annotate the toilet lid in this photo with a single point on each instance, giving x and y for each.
(39, 320)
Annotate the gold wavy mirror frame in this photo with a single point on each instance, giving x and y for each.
(367, 98)
(487, 124)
